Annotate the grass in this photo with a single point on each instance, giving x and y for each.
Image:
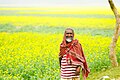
(55, 30)
(113, 73)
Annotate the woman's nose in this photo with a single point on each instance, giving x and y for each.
(69, 34)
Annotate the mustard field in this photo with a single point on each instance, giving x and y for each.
(63, 17)
(30, 39)
(58, 21)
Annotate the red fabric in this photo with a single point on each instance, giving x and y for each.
(77, 48)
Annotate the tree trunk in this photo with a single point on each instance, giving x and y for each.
(112, 54)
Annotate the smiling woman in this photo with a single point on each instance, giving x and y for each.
(71, 58)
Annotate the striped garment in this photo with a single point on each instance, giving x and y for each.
(67, 70)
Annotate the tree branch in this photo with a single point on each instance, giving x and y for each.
(113, 8)
(115, 36)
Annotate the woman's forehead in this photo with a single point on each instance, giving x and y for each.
(68, 31)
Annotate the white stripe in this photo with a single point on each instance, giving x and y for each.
(68, 69)
(69, 66)
(69, 76)
(63, 58)
(63, 61)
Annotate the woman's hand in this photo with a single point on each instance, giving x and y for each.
(72, 53)
(78, 70)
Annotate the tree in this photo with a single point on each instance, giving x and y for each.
(115, 37)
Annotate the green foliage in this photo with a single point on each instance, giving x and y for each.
(36, 55)
(113, 73)
(55, 30)
(29, 42)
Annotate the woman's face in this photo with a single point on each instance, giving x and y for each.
(69, 35)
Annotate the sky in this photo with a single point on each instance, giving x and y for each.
(57, 3)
